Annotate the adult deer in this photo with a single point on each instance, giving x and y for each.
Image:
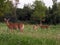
(12, 26)
(9, 24)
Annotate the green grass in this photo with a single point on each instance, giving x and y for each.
(29, 36)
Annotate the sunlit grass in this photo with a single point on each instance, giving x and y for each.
(29, 36)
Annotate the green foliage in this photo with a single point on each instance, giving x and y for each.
(5, 7)
(29, 36)
(1, 7)
(8, 6)
(31, 13)
(58, 5)
(25, 13)
(53, 14)
(39, 9)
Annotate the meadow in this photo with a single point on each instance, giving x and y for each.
(29, 36)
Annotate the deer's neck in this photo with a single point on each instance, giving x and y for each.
(7, 23)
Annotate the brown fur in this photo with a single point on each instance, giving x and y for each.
(44, 26)
(12, 26)
(35, 27)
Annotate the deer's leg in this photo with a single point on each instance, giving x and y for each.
(21, 27)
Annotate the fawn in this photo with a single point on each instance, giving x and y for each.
(35, 27)
(44, 26)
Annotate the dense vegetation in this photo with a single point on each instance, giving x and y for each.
(29, 36)
(35, 13)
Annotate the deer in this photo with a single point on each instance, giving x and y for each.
(44, 26)
(21, 27)
(9, 24)
(35, 27)
(12, 26)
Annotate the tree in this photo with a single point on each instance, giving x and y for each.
(6, 7)
(25, 13)
(16, 3)
(48, 16)
(58, 6)
(55, 12)
(39, 10)
(1, 7)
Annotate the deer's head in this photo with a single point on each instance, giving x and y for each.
(6, 20)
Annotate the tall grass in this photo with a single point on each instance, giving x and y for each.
(29, 36)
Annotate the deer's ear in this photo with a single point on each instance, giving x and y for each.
(4, 19)
(8, 19)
